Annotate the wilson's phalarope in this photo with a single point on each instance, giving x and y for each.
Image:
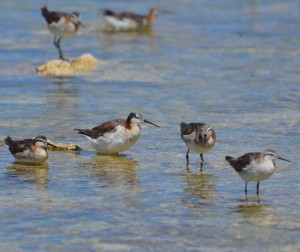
(199, 137)
(28, 150)
(255, 166)
(62, 25)
(115, 136)
(128, 21)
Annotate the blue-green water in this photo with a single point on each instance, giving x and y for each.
(233, 64)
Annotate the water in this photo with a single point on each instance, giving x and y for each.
(233, 64)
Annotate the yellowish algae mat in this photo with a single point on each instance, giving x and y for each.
(77, 66)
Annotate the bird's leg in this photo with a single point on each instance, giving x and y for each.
(61, 54)
(246, 188)
(187, 158)
(202, 160)
(257, 188)
(54, 42)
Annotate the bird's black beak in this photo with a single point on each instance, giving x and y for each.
(284, 159)
(166, 12)
(151, 123)
(49, 142)
(81, 24)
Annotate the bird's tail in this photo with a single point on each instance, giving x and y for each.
(182, 128)
(8, 141)
(107, 12)
(84, 132)
(45, 11)
(228, 158)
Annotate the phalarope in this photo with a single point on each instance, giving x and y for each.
(62, 25)
(115, 136)
(199, 137)
(255, 166)
(28, 150)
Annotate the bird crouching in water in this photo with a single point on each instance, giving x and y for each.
(199, 137)
(128, 21)
(255, 166)
(117, 135)
(62, 25)
(28, 150)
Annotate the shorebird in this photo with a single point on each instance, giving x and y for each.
(62, 25)
(28, 150)
(199, 137)
(128, 21)
(255, 166)
(115, 136)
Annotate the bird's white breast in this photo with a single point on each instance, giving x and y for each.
(28, 155)
(124, 24)
(62, 28)
(198, 146)
(258, 171)
(116, 141)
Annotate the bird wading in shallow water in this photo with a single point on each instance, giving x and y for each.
(255, 166)
(28, 150)
(62, 25)
(128, 21)
(115, 136)
(199, 137)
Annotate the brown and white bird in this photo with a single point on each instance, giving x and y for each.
(28, 150)
(62, 25)
(115, 136)
(255, 166)
(128, 21)
(199, 137)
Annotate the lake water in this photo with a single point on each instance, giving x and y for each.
(233, 64)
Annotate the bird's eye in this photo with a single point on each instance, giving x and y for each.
(137, 116)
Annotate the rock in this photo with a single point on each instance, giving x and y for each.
(77, 66)
(62, 147)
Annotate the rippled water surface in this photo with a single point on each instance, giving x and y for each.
(233, 64)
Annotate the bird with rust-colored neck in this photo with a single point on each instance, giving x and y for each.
(199, 137)
(255, 166)
(128, 21)
(117, 135)
(28, 150)
(62, 25)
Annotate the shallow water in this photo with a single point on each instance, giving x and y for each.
(233, 64)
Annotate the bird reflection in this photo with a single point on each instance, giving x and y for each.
(29, 173)
(257, 213)
(201, 185)
(116, 170)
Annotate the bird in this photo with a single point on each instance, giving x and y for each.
(128, 21)
(28, 150)
(255, 166)
(199, 137)
(62, 25)
(117, 135)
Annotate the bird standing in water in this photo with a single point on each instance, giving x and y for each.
(255, 166)
(128, 21)
(117, 135)
(199, 137)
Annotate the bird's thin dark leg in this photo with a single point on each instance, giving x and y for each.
(187, 157)
(202, 160)
(54, 42)
(246, 188)
(61, 54)
(257, 188)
